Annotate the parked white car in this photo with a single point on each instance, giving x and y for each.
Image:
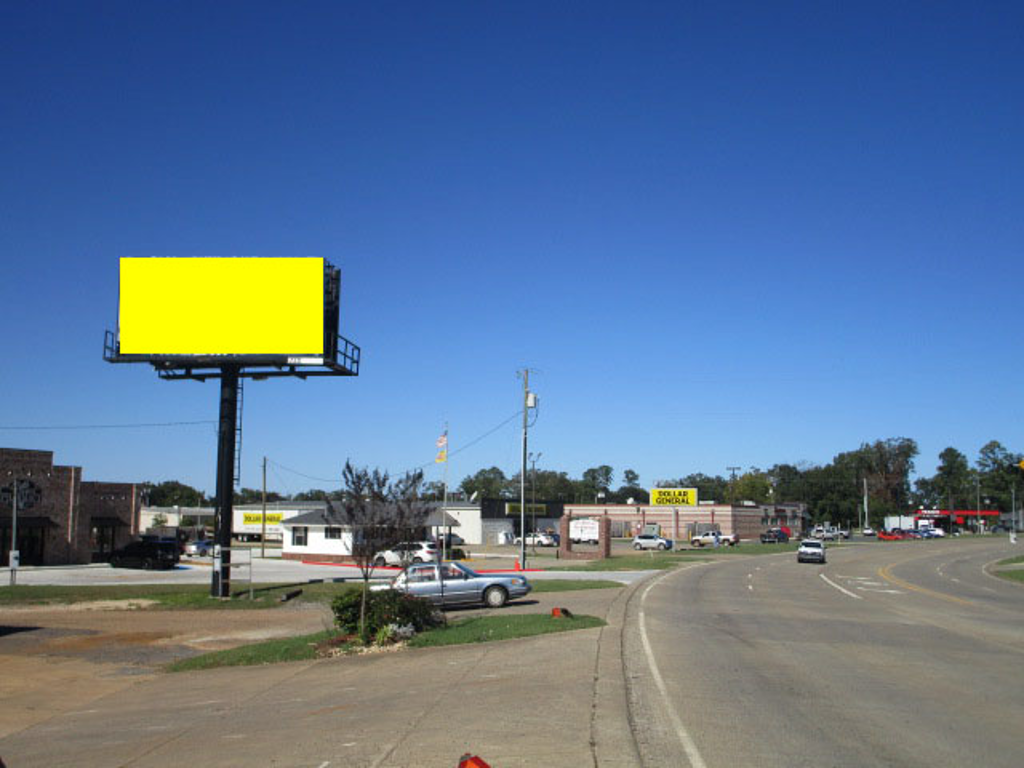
(650, 541)
(199, 548)
(538, 539)
(408, 552)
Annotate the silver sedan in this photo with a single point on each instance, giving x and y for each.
(455, 584)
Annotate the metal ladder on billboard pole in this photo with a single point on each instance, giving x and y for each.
(246, 563)
(238, 435)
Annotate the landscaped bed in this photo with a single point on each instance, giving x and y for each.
(476, 629)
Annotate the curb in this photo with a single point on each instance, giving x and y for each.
(610, 708)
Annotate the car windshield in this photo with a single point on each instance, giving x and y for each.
(812, 544)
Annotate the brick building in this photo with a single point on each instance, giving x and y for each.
(680, 523)
(63, 519)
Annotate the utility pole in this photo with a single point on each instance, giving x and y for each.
(522, 473)
(867, 519)
(1013, 513)
(529, 401)
(263, 534)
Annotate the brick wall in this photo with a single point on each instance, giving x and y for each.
(58, 525)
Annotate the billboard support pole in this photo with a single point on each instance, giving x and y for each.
(221, 581)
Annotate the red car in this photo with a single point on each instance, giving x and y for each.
(896, 535)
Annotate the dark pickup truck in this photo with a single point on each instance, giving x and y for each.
(774, 536)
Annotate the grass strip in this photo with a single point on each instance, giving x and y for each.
(570, 585)
(300, 648)
(1012, 560)
(485, 629)
(639, 562)
(168, 596)
(1011, 575)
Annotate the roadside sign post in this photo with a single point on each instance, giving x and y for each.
(15, 555)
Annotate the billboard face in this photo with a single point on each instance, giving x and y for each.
(221, 306)
(674, 497)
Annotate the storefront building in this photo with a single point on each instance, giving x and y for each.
(62, 519)
(680, 523)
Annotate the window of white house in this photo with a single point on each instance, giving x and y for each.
(333, 532)
(299, 535)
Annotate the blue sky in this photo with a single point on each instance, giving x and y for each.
(723, 234)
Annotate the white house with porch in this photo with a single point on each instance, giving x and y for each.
(323, 535)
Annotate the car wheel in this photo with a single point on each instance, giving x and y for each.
(380, 561)
(148, 564)
(495, 597)
(417, 559)
(637, 547)
(661, 545)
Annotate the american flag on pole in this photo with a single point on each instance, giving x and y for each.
(442, 447)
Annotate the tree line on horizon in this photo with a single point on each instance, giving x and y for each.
(832, 491)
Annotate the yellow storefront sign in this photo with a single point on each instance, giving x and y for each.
(255, 518)
(674, 497)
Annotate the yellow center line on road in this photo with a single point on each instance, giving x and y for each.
(886, 573)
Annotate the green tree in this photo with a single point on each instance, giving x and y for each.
(255, 496)
(433, 491)
(752, 486)
(313, 494)
(595, 480)
(709, 487)
(999, 474)
(554, 486)
(953, 481)
(486, 484)
(631, 489)
(171, 493)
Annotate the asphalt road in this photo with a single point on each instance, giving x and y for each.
(892, 654)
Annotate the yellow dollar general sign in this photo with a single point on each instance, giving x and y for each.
(255, 518)
(674, 497)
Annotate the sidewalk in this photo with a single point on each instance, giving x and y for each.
(553, 700)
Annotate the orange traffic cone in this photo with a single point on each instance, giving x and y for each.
(472, 761)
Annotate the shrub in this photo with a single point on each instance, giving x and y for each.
(382, 608)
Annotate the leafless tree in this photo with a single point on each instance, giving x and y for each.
(380, 513)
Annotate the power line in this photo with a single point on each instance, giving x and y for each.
(467, 446)
(474, 441)
(303, 474)
(140, 425)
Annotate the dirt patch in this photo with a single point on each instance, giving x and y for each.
(92, 642)
(133, 604)
(53, 659)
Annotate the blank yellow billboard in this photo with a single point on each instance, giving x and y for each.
(221, 306)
